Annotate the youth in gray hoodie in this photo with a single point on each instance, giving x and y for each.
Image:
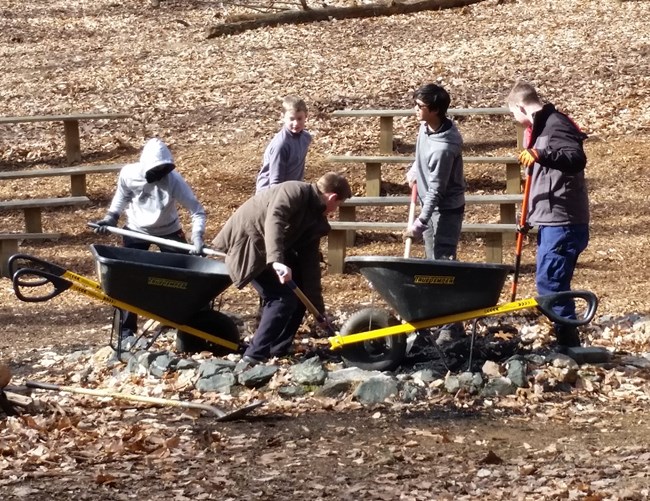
(438, 172)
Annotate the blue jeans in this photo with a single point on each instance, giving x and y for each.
(443, 233)
(558, 248)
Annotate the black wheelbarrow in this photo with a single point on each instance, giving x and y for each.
(176, 290)
(427, 294)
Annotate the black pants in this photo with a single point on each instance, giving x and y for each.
(281, 316)
(129, 319)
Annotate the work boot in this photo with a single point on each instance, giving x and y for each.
(567, 336)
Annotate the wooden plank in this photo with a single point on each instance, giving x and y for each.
(60, 118)
(7, 249)
(493, 247)
(78, 185)
(9, 246)
(385, 159)
(386, 135)
(33, 223)
(336, 251)
(411, 113)
(72, 141)
(62, 171)
(29, 203)
(373, 179)
(390, 201)
(513, 178)
(400, 226)
(29, 236)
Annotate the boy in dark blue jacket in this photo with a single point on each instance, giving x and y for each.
(558, 204)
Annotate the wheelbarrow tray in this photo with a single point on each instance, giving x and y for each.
(172, 285)
(420, 288)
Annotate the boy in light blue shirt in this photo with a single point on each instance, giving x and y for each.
(284, 157)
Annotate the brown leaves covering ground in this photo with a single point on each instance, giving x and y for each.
(217, 104)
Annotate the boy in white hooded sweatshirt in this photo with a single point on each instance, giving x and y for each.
(148, 192)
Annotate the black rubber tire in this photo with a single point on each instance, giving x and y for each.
(383, 354)
(212, 322)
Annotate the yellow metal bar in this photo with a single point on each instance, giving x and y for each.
(339, 341)
(73, 277)
(96, 293)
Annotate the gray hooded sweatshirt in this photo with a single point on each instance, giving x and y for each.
(438, 169)
(151, 207)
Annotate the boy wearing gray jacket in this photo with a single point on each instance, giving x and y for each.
(147, 191)
(438, 172)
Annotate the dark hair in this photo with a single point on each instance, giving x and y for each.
(332, 182)
(435, 97)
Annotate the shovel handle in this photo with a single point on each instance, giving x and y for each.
(411, 218)
(127, 396)
(157, 240)
(310, 306)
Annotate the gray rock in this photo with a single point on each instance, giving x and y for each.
(639, 362)
(352, 375)
(291, 391)
(257, 376)
(221, 383)
(410, 392)
(517, 373)
(423, 376)
(333, 389)
(375, 389)
(138, 363)
(471, 382)
(491, 369)
(309, 372)
(562, 361)
(498, 387)
(217, 366)
(183, 364)
(161, 364)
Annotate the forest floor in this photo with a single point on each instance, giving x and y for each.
(217, 103)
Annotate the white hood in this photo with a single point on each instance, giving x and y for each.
(155, 153)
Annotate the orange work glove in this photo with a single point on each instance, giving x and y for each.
(528, 157)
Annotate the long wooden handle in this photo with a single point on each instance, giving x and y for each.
(126, 396)
(520, 236)
(414, 198)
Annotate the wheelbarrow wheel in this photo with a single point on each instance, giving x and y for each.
(382, 354)
(211, 322)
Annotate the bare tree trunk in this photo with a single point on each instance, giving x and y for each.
(359, 11)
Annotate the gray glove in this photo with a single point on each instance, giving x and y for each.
(109, 220)
(197, 241)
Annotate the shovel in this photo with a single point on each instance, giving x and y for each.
(215, 411)
(409, 239)
(520, 237)
(157, 240)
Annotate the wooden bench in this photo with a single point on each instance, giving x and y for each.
(77, 175)
(507, 205)
(70, 127)
(337, 238)
(373, 168)
(9, 246)
(33, 207)
(386, 121)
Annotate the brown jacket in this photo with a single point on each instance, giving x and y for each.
(282, 223)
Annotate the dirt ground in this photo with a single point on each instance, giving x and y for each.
(217, 103)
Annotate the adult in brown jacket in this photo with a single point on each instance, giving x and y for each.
(273, 238)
